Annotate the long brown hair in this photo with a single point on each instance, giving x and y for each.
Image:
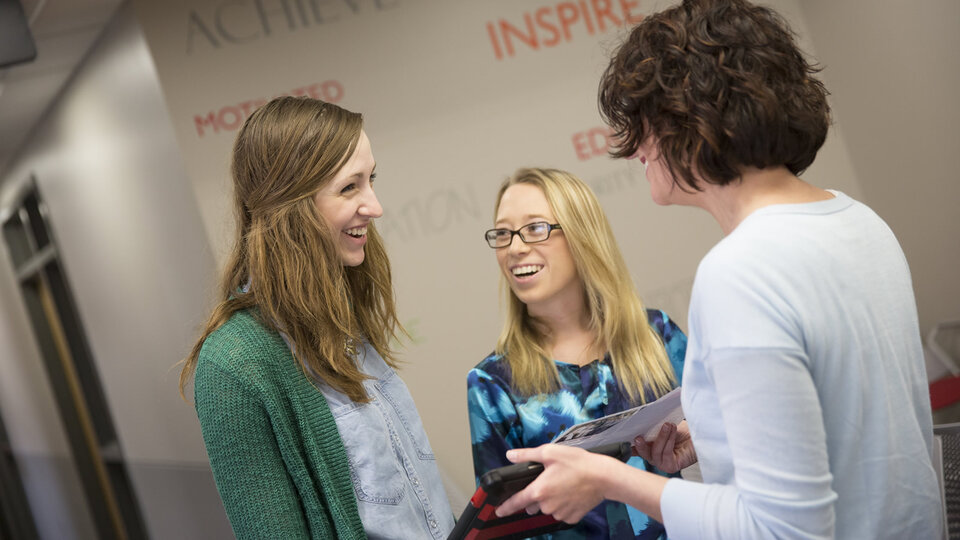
(617, 315)
(285, 262)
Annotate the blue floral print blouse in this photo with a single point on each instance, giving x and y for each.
(500, 420)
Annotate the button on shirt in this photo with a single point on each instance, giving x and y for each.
(399, 490)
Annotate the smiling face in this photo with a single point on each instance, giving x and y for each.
(348, 203)
(541, 275)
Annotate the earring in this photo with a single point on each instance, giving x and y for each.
(350, 347)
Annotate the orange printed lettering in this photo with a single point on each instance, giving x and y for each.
(550, 25)
(542, 22)
(592, 143)
(231, 117)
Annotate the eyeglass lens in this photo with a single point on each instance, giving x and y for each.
(531, 233)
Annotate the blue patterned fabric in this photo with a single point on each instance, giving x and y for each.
(500, 420)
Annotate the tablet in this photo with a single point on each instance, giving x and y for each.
(479, 520)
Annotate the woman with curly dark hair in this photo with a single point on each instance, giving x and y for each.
(804, 383)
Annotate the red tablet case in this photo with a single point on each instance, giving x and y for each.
(479, 520)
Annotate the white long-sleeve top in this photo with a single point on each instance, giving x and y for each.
(804, 384)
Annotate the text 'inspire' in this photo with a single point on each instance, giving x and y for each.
(549, 26)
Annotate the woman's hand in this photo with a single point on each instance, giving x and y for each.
(671, 451)
(570, 485)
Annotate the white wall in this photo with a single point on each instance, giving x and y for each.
(893, 68)
(131, 242)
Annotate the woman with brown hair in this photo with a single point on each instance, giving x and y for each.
(804, 385)
(309, 430)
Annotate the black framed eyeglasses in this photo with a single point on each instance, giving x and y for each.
(532, 233)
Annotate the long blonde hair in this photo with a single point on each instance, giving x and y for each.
(617, 315)
(285, 262)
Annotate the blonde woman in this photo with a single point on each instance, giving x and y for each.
(309, 430)
(577, 343)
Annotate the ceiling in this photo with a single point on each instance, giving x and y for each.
(64, 31)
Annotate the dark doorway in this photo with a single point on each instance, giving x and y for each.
(69, 365)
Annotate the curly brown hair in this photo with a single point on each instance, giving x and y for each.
(722, 85)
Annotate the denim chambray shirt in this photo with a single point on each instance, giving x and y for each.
(399, 491)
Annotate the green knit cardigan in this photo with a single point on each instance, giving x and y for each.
(276, 454)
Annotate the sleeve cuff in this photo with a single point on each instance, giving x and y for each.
(678, 502)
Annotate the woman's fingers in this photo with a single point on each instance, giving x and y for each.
(641, 448)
